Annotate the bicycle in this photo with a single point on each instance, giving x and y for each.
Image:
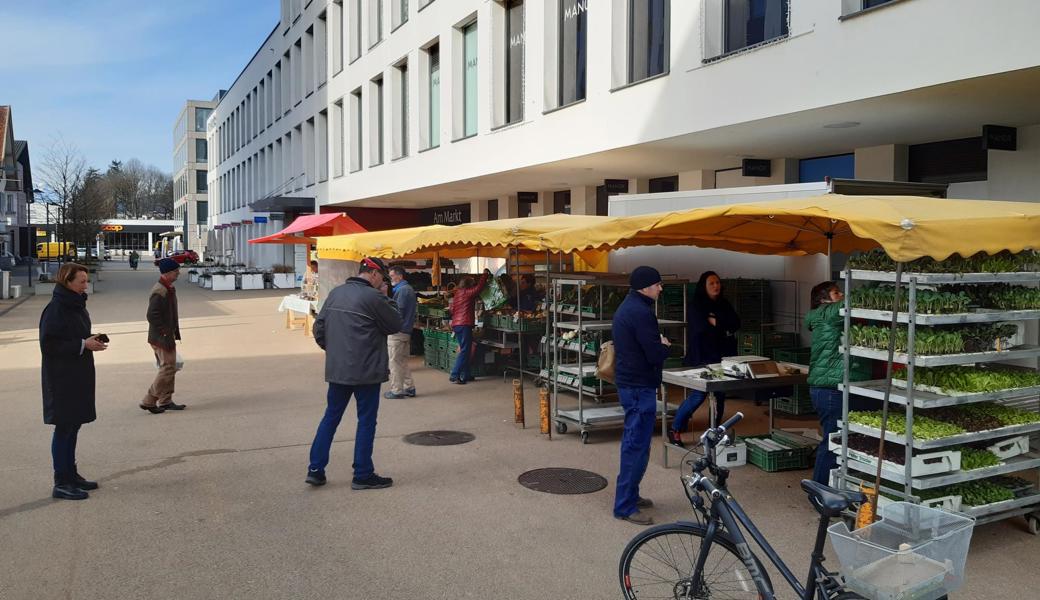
(711, 558)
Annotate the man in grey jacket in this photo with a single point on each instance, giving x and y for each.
(352, 328)
(400, 342)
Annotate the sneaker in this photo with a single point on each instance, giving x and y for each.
(675, 439)
(410, 392)
(457, 381)
(638, 518)
(372, 482)
(644, 503)
(393, 396)
(315, 477)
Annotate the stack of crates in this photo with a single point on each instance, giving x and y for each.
(764, 343)
(772, 453)
(670, 303)
(436, 344)
(752, 299)
(798, 401)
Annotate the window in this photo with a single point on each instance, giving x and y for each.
(276, 97)
(647, 38)
(336, 36)
(337, 139)
(818, 168)
(750, 22)
(469, 79)
(355, 130)
(492, 209)
(298, 70)
(951, 161)
(400, 13)
(354, 23)
(287, 100)
(202, 212)
(201, 151)
(401, 111)
(435, 95)
(375, 22)
(663, 184)
(424, 3)
(321, 49)
(562, 202)
(200, 181)
(309, 145)
(849, 7)
(376, 128)
(201, 116)
(573, 40)
(309, 62)
(297, 157)
(515, 44)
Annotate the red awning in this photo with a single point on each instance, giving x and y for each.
(312, 226)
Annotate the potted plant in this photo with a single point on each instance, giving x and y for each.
(206, 281)
(252, 279)
(223, 280)
(284, 277)
(193, 275)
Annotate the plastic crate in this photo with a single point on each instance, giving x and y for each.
(790, 458)
(794, 406)
(798, 356)
(758, 343)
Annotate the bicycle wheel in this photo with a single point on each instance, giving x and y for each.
(659, 562)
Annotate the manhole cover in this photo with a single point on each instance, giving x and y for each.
(562, 481)
(439, 438)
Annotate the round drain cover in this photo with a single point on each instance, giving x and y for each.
(555, 480)
(439, 438)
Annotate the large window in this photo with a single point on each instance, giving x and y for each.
(201, 151)
(469, 79)
(435, 95)
(353, 20)
(400, 13)
(819, 168)
(201, 116)
(515, 43)
(338, 139)
(201, 186)
(573, 44)
(377, 128)
(951, 161)
(647, 38)
(375, 22)
(202, 212)
(750, 22)
(356, 140)
(401, 118)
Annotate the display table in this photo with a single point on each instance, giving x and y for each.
(298, 313)
(677, 376)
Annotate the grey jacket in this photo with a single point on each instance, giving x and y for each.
(352, 328)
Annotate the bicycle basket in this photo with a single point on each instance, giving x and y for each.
(913, 553)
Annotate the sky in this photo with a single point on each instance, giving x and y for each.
(111, 76)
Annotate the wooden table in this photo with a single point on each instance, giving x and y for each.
(299, 313)
(710, 386)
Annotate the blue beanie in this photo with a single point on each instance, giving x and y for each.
(168, 264)
(643, 277)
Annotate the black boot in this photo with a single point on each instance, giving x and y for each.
(79, 481)
(65, 489)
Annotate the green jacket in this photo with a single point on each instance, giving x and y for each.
(826, 363)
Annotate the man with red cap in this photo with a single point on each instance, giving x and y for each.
(163, 332)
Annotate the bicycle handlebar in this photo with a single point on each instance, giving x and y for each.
(731, 422)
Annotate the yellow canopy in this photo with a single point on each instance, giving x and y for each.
(906, 227)
(524, 233)
(355, 246)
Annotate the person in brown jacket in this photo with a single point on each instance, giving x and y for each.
(163, 333)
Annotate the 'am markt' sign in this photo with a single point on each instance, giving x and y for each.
(446, 215)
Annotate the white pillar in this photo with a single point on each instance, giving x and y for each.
(151, 243)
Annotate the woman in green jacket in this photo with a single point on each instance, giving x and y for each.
(826, 368)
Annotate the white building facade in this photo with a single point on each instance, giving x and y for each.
(510, 108)
(191, 173)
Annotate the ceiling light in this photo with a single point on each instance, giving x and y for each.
(842, 125)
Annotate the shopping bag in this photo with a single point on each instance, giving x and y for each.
(179, 361)
(493, 295)
(605, 362)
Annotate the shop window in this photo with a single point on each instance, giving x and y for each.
(647, 38)
(951, 161)
(492, 210)
(841, 166)
(732, 25)
(562, 202)
(664, 184)
(573, 40)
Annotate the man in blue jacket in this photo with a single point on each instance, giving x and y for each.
(639, 354)
(399, 344)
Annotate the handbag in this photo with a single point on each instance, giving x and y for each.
(605, 362)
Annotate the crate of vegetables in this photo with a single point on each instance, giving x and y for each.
(863, 448)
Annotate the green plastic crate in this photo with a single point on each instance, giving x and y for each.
(798, 356)
(758, 343)
(795, 457)
(796, 405)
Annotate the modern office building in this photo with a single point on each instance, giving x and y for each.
(190, 173)
(409, 112)
(16, 193)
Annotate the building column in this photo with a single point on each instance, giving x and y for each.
(642, 186)
(583, 200)
(478, 210)
(544, 206)
(508, 207)
(882, 163)
(151, 243)
(703, 179)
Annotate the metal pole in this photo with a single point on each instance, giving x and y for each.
(888, 391)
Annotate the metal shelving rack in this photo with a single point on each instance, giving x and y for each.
(910, 398)
(573, 358)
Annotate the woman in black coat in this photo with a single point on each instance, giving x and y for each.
(711, 324)
(68, 376)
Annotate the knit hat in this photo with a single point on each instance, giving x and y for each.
(168, 264)
(643, 277)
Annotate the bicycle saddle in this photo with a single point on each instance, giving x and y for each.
(828, 501)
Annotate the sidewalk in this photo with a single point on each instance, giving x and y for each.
(210, 502)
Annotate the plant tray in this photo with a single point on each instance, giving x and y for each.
(1009, 448)
(787, 457)
(930, 463)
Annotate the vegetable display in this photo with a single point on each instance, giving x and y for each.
(972, 459)
(1000, 296)
(954, 339)
(880, 297)
(937, 423)
(924, 427)
(974, 380)
(1002, 262)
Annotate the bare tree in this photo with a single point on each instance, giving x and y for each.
(139, 190)
(62, 171)
(88, 208)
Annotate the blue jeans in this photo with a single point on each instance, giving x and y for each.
(690, 406)
(826, 402)
(367, 409)
(640, 406)
(63, 450)
(464, 337)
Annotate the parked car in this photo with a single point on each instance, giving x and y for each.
(183, 256)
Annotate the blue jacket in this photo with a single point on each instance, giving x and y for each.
(404, 298)
(639, 354)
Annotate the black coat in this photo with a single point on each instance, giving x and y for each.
(68, 371)
(707, 344)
